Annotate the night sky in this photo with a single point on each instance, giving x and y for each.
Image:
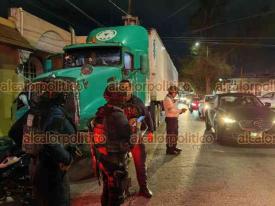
(234, 21)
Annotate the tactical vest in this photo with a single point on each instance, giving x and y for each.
(103, 136)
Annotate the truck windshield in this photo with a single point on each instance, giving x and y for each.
(96, 56)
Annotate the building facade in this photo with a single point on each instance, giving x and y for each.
(12, 44)
(25, 42)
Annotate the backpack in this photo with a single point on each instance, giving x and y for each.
(102, 131)
(33, 134)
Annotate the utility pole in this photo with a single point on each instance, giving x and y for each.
(129, 19)
(207, 79)
(241, 80)
(130, 7)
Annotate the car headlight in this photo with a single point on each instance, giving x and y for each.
(206, 106)
(273, 122)
(228, 120)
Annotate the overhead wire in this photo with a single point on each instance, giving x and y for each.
(218, 38)
(215, 42)
(232, 21)
(119, 8)
(84, 13)
(181, 9)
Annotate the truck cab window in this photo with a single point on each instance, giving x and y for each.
(128, 61)
(95, 56)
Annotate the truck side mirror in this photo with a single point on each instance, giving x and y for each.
(24, 99)
(144, 64)
(48, 65)
(20, 69)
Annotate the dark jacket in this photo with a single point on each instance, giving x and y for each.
(57, 123)
(16, 130)
(148, 119)
(52, 186)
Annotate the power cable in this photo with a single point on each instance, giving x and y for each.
(181, 9)
(232, 21)
(119, 8)
(84, 13)
(219, 38)
(230, 43)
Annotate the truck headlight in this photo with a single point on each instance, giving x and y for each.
(228, 120)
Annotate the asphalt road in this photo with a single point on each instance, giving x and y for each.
(206, 173)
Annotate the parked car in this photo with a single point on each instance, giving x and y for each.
(270, 98)
(204, 105)
(233, 115)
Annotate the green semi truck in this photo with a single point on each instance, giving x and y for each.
(112, 54)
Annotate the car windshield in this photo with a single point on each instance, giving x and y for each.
(233, 101)
(96, 56)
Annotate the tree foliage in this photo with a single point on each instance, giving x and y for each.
(203, 72)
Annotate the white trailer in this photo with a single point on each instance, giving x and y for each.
(163, 73)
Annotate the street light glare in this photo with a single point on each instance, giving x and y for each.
(197, 44)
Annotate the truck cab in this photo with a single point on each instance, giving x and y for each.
(109, 54)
